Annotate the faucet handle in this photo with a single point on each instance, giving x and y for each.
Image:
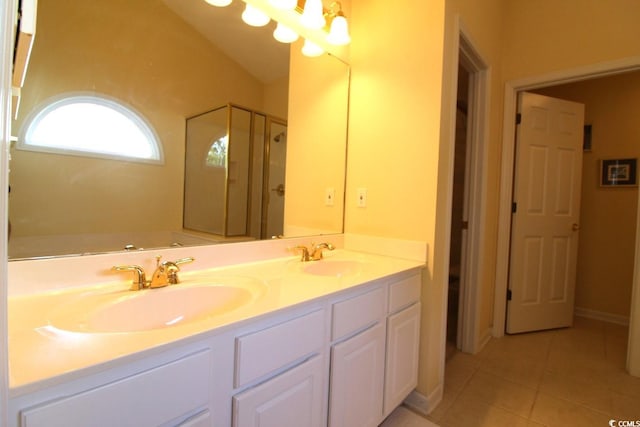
(172, 269)
(139, 277)
(304, 252)
(317, 250)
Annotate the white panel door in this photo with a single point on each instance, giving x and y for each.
(357, 372)
(544, 233)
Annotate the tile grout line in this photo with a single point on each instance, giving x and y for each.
(458, 393)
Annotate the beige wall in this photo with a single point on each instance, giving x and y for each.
(276, 98)
(402, 83)
(547, 35)
(607, 215)
(394, 129)
(318, 106)
(189, 77)
(482, 24)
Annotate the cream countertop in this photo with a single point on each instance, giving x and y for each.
(41, 353)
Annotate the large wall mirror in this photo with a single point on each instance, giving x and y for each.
(164, 59)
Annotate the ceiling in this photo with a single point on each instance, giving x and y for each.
(253, 48)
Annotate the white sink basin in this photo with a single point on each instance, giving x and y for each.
(151, 309)
(333, 268)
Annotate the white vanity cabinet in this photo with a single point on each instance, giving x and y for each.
(173, 394)
(344, 359)
(403, 342)
(291, 399)
(286, 362)
(376, 367)
(357, 360)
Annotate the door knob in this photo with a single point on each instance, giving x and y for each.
(575, 227)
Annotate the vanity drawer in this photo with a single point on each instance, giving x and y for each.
(404, 293)
(265, 351)
(357, 313)
(153, 397)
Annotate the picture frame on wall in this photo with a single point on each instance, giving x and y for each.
(618, 173)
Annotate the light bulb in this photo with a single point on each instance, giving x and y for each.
(254, 16)
(284, 4)
(219, 3)
(313, 15)
(284, 34)
(311, 49)
(339, 33)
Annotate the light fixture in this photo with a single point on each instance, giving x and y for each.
(313, 15)
(339, 32)
(219, 3)
(284, 34)
(284, 4)
(254, 16)
(311, 49)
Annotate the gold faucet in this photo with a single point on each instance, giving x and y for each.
(316, 251)
(139, 277)
(304, 252)
(316, 255)
(166, 274)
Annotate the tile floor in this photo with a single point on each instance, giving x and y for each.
(560, 378)
(565, 377)
(403, 417)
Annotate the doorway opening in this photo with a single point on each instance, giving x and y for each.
(468, 160)
(459, 220)
(512, 88)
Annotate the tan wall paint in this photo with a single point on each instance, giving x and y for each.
(481, 23)
(165, 89)
(547, 35)
(607, 215)
(394, 128)
(394, 88)
(316, 142)
(276, 98)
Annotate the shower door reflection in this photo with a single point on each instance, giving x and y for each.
(228, 167)
(273, 206)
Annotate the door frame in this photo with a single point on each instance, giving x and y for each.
(512, 88)
(470, 339)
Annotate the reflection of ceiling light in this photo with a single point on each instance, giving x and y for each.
(219, 3)
(284, 34)
(311, 49)
(339, 32)
(284, 4)
(313, 15)
(254, 16)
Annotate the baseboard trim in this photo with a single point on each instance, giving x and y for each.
(483, 340)
(424, 404)
(601, 315)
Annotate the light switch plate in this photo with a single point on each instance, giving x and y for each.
(329, 196)
(361, 197)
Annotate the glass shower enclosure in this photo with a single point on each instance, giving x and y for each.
(234, 173)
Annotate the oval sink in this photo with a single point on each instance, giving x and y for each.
(334, 268)
(150, 309)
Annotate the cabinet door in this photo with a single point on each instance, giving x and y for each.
(357, 371)
(150, 398)
(292, 399)
(202, 419)
(403, 341)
